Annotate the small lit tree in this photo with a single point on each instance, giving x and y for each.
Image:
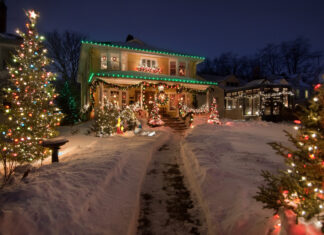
(29, 104)
(155, 118)
(106, 119)
(300, 188)
(214, 116)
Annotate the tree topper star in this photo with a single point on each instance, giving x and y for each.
(32, 14)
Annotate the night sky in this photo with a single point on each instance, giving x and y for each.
(199, 27)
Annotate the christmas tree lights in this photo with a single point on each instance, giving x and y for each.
(29, 105)
(155, 118)
(107, 119)
(300, 188)
(214, 116)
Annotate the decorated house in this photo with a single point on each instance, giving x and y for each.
(269, 100)
(8, 43)
(133, 72)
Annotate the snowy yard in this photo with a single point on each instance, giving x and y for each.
(93, 190)
(96, 187)
(223, 164)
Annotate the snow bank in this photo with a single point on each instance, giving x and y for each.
(223, 164)
(95, 189)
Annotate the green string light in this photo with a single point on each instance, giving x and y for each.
(144, 50)
(151, 78)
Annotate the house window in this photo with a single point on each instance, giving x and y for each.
(173, 68)
(182, 69)
(306, 94)
(149, 63)
(114, 61)
(114, 97)
(297, 93)
(103, 61)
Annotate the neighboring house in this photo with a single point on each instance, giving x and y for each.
(259, 98)
(303, 91)
(132, 71)
(8, 43)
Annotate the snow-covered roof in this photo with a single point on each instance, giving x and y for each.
(261, 83)
(256, 82)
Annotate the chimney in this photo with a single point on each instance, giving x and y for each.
(129, 38)
(3, 17)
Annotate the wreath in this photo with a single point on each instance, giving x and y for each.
(162, 98)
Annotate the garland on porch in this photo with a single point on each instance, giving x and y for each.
(179, 89)
(185, 111)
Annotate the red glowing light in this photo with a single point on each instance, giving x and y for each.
(289, 155)
(297, 122)
(317, 86)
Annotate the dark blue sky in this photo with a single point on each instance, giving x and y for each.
(200, 27)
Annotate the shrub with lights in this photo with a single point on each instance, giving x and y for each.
(31, 114)
(300, 188)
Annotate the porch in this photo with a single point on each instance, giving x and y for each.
(143, 91)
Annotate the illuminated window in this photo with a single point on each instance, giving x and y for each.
(297, 93)
(173, 69)
(182, 69)
(306, 94)
(149, 63)
(103, 61)
(114, 61)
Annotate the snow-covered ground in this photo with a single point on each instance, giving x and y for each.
(223, 164)
(93, 190)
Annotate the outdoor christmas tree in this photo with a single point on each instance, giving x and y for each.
(300, 188)
(107, 115)
(29, 104)
(155, 118)
(128, 118)
(214, 116)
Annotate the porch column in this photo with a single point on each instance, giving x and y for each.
(207, 98)
(141, 100)
(101, 92)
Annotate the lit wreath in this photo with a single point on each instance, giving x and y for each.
(162, 98)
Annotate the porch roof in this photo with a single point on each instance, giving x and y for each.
(153, 77)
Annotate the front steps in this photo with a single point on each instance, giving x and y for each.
(175, 123)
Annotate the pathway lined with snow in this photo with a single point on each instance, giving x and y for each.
(95, 189)
(167, 206)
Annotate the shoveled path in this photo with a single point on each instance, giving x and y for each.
(167, 205)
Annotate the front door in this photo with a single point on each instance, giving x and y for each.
(149, 98)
